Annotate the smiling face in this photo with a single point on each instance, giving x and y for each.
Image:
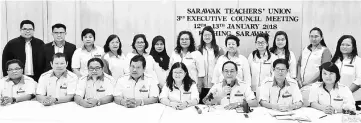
(95, 69)
(159, 46)
(346, 46)
(27, 31)
(139, 44)
(231, 46)
(207, 37)
(328, 77)
(281, 41)
(88, 39)
(261, 44)
(114, 44)
(178, 74)
(229, 71)
(59, 65)
(315, 37)
(14, 71)
(185, 41)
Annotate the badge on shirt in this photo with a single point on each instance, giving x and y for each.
(238, 64)
(143, 89)
(101, 89)
(349, 65)
(97, 56)
(266, 63)
(187, 92)
(64, 86)
(286, 94)
(338, 98)
(238, 94)
(20, 91)
(190, 58)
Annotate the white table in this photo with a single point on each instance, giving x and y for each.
(34, 112)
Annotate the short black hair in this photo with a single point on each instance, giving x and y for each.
(58, 25)
(21, 64)
(27, 22)
(58, 55)
(138, 58)
(232, 37)
(86, 31)
(230, 62)
(331, 67)
(281, 61)
(96, 60)
(145, 41)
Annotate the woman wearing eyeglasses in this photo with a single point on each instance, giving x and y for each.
(96, 88)
(139, 45)
(260, 61)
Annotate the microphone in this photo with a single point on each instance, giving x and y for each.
(228, 95)
(198, 110)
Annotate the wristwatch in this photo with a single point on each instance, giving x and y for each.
(56, 100)
(14, 100)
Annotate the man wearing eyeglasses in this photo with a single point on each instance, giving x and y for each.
(280, 92)
(27, 49)
(59, 45)
(16, 87)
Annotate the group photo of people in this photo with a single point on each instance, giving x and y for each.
(92, 56)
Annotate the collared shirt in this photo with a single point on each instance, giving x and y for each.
(50, 85)
(292, 62)
(310, 62)
(116, 65)
(350, 72)
(272, 93)
(179, 94)
(261, 68)
(26, 86)
(338, 97)
(244, 72)
(194, 62)
(210, 63)
(82, 56)
(97, 89)
(29, 68)
(58, 49)
(127, 87)
(149, 67)
(239, 91)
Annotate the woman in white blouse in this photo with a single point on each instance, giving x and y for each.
(160, 56)
(186, 53)
(349, 63)
(280, 49)
(140, 44)
(210, 52)
(114, 58)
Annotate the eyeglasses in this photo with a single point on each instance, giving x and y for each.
(59, 33)
(280, 70)
(15, 70)
(96, 68)
(260, 43)
(27, 29)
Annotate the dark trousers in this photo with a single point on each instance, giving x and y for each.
(204, 92)
(358, 103)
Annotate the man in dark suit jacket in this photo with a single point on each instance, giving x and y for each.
(58, 45)
(25, 47)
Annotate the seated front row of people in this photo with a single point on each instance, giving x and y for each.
(278, 92)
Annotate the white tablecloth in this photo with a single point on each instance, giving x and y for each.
(34, 112)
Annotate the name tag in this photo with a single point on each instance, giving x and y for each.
(97, 56)
(286, 95)
(266, 63)
(238, 64)
(349, 65)
(100, 90)
(189, 58)
(338, 99)
(143, 90)
(238, 95)
(21, 91)
(187, 92)
(63, 87)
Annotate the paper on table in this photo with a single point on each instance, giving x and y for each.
(299, 118)
(274, 113)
